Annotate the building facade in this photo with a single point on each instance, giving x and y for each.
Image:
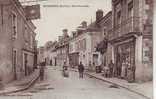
(47, 51)
(17, 41)
(61, 50)
(40, 55)
(131, 37)
(82, 46)
(105, 24)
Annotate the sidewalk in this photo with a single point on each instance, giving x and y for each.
(143, 89)
(20, 85)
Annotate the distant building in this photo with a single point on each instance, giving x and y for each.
(40, 55)
(17, 41)
(47, 51)
(60, 53)
(82, 46)
(53, 54)
(49, 54)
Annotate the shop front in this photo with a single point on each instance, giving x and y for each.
(124, 58)
(74, 59)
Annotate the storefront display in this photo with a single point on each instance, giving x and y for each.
(125, 60)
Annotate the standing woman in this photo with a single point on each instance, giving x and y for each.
(65, 70)
(123, 72)
(42, 71)
(81, 70)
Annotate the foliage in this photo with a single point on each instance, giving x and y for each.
(102, 46)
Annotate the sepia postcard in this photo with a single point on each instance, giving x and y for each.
(76, 49)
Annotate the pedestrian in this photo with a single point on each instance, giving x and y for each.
(65, 70)
(133, 70)
(111, 65)
(81, 70)
(106, 71)
(123, 72)
(93, 67)
(65, 66)
(90, 66)
(42, 71)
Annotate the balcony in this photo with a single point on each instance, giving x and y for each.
(130, 25)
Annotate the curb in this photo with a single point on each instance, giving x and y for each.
(120, 86)
(116, 84)
(21, 89)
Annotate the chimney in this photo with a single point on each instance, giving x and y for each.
(65, 33)
(60, 38)
(84, 24)
(73, 33)
(99, 15)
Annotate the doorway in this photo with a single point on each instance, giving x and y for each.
(25, 63)
(14, 63)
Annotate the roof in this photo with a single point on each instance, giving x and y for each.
(93, 27)
(109, 14)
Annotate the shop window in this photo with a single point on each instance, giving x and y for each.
(84, 44)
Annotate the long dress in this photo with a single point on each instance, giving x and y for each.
(123, 72)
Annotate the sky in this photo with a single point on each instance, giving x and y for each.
(54, 19)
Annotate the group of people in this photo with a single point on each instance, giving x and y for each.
(121, 70)
(113, 70)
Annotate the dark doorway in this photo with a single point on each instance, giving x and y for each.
(50, 62)
(14, 63)
(25, 64)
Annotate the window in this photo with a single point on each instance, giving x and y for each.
(26, 33)
(31, 41)
(14, 57)
(14, 25)
(84, 44)
(130, 9)
(117, 9)
(77, 46)
(70, 47)
(119, 17)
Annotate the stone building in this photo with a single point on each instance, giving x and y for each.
(105, 25)
(82, 46)
(131, 36)
(47, 51)
(40, 55)
(48, 54)
(61, 49)
(17, 41)
(53, 54)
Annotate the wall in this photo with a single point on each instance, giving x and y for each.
(6, 70)
(7, 43)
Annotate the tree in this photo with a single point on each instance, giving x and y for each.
(102, 48)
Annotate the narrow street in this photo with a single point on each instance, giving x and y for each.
(56, 86)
